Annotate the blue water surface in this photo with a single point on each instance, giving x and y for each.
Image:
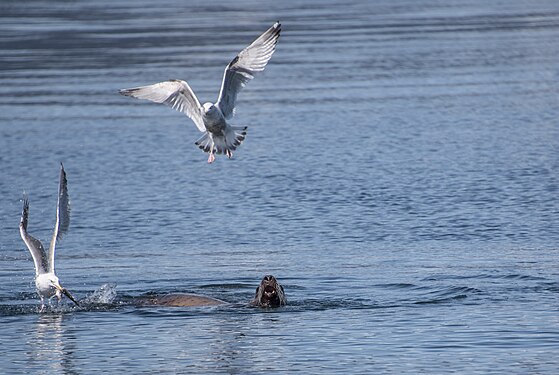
(399, 177)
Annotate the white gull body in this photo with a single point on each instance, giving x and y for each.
(211, 118)
(46, 281)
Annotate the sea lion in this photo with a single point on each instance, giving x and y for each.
(182, 300)
(269, 293)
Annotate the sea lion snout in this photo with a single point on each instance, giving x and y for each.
(270, 293)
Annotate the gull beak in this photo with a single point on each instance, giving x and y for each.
(66, 293)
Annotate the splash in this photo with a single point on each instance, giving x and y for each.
(105, 295)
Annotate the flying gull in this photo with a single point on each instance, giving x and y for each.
(46, 280)
(211, 118)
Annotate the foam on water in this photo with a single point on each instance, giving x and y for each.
(104, 295)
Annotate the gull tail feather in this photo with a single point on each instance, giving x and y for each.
(223, 144)
(204, 143)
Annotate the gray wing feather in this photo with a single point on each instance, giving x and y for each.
(34, 245)
(175, 93)
(62, 216)
(244, 66)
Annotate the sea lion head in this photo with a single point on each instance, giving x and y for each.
(269, 293)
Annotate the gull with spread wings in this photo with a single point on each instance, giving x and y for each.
(46, 280)
(211, 118)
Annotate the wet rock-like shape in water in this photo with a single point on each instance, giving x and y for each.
(181, 300)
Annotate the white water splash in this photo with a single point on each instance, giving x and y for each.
(105, 295)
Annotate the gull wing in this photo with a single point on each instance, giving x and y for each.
(244, 66)
(62, 216)
(175, 93)
(34, 245)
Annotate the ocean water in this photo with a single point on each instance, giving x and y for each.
(400, 179)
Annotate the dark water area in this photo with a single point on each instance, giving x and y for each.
(400, 179)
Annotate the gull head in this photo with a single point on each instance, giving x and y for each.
(48, 286)
(208, 107)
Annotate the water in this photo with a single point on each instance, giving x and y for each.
(399, 178)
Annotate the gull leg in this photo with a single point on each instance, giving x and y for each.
(42, 309)
(211, 157)
(229, 153)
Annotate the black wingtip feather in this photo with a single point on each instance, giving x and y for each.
(24, 211)
(127, 92)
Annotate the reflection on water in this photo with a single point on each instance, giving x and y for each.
(232, 343)
(51, 346)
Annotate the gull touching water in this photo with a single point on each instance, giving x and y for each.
(46, 281)
(211, 118)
